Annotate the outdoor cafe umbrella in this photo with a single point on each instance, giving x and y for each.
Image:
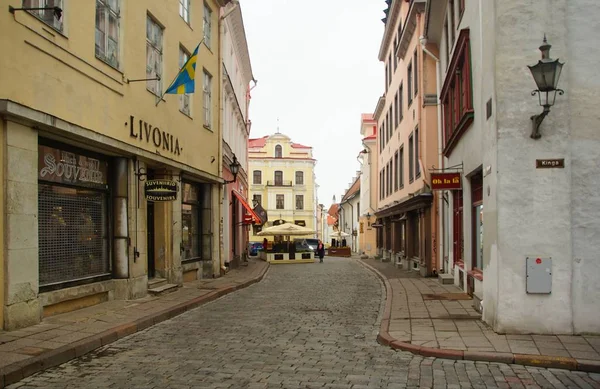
(340, 234)
(286, 229)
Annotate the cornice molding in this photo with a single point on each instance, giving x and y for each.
(389, 31)
(410, 25)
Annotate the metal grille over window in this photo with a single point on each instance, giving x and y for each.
(73, 234)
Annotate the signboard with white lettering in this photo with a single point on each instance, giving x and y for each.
(549, 163)
(66, 167)
(161, 190)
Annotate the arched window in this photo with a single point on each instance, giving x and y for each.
(278, 152)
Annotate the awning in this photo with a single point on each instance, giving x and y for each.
(242, 200)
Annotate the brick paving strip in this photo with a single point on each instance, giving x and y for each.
(63, 337)
(453, 329)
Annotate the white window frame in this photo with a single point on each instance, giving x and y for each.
(185, 100)
(154, 46)
(207, 25)
(184, 10)
(104, 6)
(207, 103)
(46, 16)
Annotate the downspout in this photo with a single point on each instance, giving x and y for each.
(441, 223)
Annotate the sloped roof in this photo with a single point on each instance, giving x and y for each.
(299, 146)
(352, 190)
(365, 117)
(331, 220)
(333, 210)
(257, 142)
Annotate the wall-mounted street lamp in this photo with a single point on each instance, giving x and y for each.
(57, 10)
(234, 168)
(546, 74)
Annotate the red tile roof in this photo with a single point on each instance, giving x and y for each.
(366, 117)
(333, 210)
(257, 142)
(331, 220)
(353, 189)
(299, 146)
(370, 137)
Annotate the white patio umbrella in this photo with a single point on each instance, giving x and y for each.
(286, 229)
(340, 234)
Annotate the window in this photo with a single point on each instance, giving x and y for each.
(451, 21)
(411, 155)
(456, 94)
(416, 80)
(381, 137)
(257, 177)
(390, 68)
(401, 158)
(409, 80)
(279, 203)
(196, 220)
(184, 100)
(278, 152)
(401, 103)
(381, 185)
(299, 178)
(207, 25)
(107, 31)
(417, 164)
(391, 129)
(299, 202)
(46, 15)
(396, 170)
(461, 7)
(397, 113)
(257, 199)
(278, 177)
(389, 177)
(394, 54)
(154, 48)
(207, 88)
(386, 76)
(184, 10)
(477, 211)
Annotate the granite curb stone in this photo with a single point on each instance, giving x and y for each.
(545, 361)
(19, 370)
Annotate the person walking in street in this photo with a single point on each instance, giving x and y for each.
(320, 251)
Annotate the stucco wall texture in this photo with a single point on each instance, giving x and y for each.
(544, 212)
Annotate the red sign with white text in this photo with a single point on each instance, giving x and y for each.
(445, 181)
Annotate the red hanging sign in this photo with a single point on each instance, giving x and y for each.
(445, 181)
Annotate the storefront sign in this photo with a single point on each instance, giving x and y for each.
(161, 139)
(445, 181)
(549, 163)
(160, 190)
(66, 167)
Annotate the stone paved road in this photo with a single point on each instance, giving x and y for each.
(303, 326)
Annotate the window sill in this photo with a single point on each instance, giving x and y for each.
(476, 273)
(207, 128)
(113, 67)
(186, 114)
(192, 260)
(154, 94)
(459, 130)
(418, 175)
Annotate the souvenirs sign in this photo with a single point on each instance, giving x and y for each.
(66, 167)
(160, 190)
(445, 181)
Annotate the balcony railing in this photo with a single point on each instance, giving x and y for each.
(279, 183)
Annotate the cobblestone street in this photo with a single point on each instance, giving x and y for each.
(303, 326)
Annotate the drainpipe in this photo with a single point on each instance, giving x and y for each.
(441, 223)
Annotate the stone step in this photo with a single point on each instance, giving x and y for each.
(445, 278)
(156, 282)
(163, 289)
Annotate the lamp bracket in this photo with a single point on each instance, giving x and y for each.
(142, 175)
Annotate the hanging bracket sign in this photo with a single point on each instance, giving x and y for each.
(445, 181)
(160, 190)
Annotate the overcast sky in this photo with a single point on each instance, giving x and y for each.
(317, 70)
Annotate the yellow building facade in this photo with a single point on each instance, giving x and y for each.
(282, 180)
(84, 129)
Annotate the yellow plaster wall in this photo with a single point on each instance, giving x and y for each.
(293, 159)
(2, 218)
(59, 74)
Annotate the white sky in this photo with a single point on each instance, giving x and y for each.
(317, 70)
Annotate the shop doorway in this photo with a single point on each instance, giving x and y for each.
(150, 239)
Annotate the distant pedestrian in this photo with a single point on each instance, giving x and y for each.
(320, 251)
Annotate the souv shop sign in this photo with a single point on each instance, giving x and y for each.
(161, 139)
(71, 168)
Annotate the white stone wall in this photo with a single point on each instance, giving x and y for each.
(546, 212)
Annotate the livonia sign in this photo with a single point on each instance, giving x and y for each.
(159, 138)
(160, 190)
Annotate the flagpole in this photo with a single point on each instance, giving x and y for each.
(177, 74)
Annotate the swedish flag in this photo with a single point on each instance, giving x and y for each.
(184, 83)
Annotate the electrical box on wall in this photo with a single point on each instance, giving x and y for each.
(539, 275)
